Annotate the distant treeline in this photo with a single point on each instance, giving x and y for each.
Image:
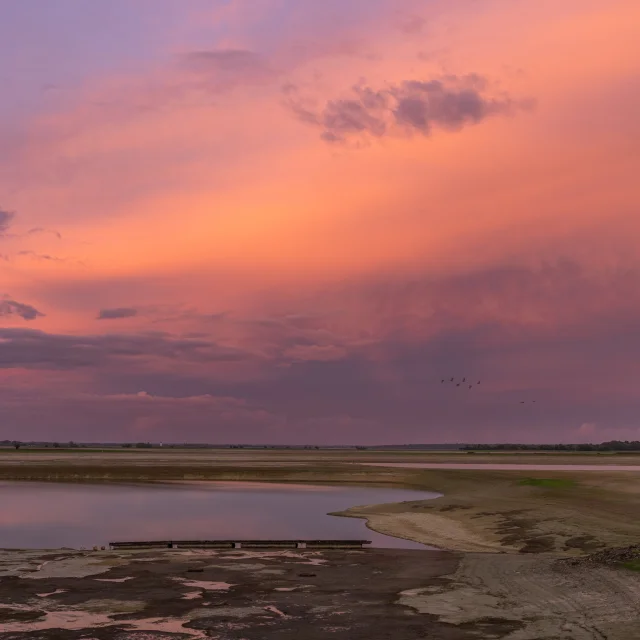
(154, 445)
(612, 445)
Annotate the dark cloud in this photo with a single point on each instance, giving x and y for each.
(117, 313)
(5, 220)
(342, 118)
(10, 307)
(25, 348)
(449, 102)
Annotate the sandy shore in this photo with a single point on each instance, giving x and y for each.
(430, 529)
(483, 511)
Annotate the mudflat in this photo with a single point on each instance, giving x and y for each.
(242, 457)
(350, 595)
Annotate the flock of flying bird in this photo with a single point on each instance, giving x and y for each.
(464, 381)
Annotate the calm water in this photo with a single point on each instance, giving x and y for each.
(53, 515)
(506, 467)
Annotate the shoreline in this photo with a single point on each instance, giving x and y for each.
(435, 532)
(568, 513)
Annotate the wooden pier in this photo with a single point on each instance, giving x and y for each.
(241, 544)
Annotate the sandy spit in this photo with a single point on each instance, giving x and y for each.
(426, 528)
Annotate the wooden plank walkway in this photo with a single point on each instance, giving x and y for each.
(241, 544)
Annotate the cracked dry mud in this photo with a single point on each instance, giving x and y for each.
(354, 595)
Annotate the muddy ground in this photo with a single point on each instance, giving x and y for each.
(248, 457)
(287, 595)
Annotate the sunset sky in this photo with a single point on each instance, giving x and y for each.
(286, 221)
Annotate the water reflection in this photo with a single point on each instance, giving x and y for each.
(53, 515)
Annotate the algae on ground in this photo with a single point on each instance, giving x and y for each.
(634, 565)
(547, 483)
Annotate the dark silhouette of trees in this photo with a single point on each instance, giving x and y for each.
(612, 445)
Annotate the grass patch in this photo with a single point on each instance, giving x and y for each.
(634, 565)
(547, 483)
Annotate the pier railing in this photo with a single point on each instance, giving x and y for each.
(241, 544)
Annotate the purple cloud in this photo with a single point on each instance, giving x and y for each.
(449, 102)
(117, 313)
(5, 220)
(31, 349)
(10, 307)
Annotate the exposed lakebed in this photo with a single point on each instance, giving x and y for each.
(54, 515)
(487, 466)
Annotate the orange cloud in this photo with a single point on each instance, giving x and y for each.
(197, 195)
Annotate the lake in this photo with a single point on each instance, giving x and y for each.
(52, 515)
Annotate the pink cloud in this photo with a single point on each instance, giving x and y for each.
(255, 281)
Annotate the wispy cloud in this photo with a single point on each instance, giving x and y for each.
(232, 63)
(9, 307)
(6, 217)
(117, 313)
(29, 348)
(41, 230)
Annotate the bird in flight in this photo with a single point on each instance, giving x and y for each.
(470, 386)
(458, 384)
(451, 380)
(441, 381)
(464, 379)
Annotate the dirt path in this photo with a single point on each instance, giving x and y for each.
(580, 603)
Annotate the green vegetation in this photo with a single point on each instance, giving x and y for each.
(548, 483)
(634, 565)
